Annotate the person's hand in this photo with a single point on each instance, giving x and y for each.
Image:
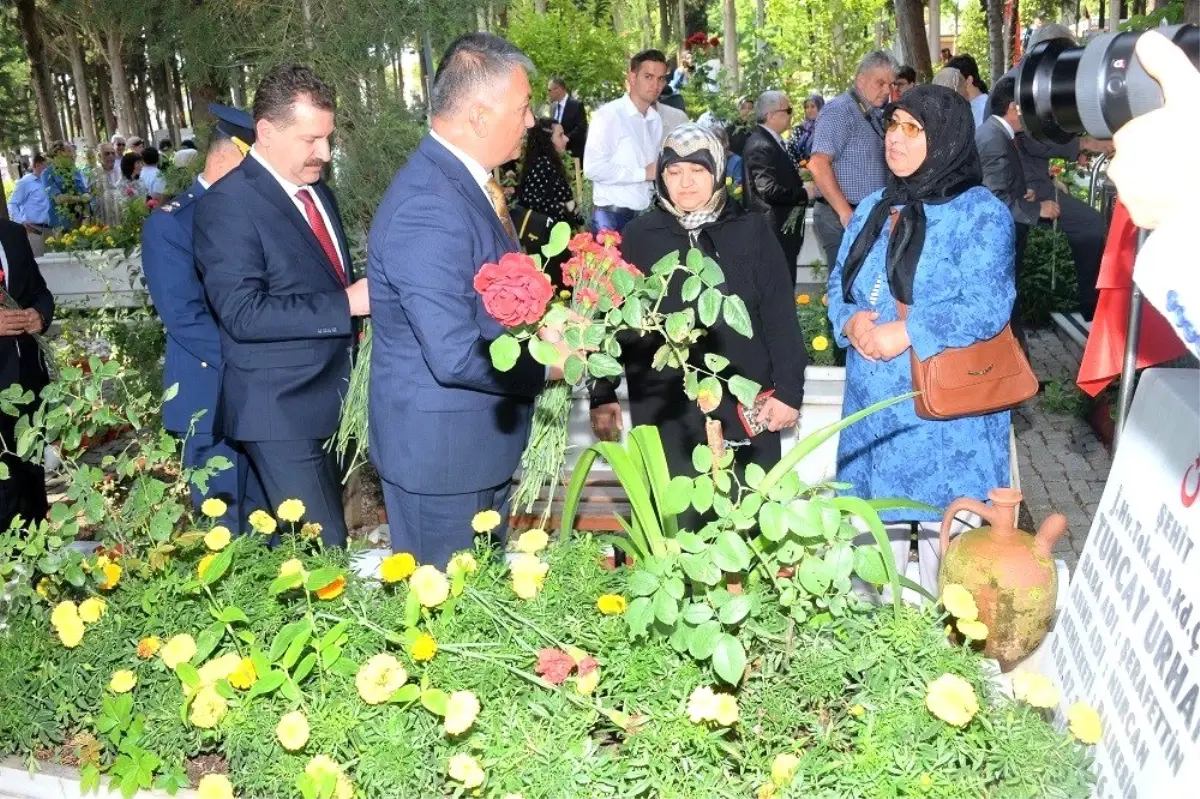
(652, 170)
(13, 322)
(777, 415)
(1061, 187)
(509, 191)
(360, 301)
(554, 335)
(884, 342)
(857, 326)
(1049, 210)
(34, 323)
(1155, 169)
(606, 421)
(1095, 145)
(845, 216)
(1030, 195)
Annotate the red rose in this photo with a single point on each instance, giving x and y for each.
(515, 291)
(714, 42)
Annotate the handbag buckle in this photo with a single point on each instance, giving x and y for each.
(983, 371)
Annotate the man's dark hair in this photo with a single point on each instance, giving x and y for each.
(559, 82)
(187, 144)
(656, 56)
(473, 65)
(1002, 95)
(38, 158)
(128, 162)
(150, 156)
(906, 73)
(164, 145)
(277, 93)
(966, 65)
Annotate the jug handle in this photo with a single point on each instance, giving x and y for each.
(973, 505)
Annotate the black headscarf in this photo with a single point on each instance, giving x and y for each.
(951, 167)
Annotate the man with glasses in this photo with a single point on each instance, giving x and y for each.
(906, 78)
(847, 160)
(772, 184)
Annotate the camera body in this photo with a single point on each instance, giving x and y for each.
(1065, 90)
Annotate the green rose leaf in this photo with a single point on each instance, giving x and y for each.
(680, 324)
(543, 352)
(729, 659)
(631, 311)
(814, 575)
(666, 607)
(642, 582)
(730, 552)
(702, 493)
(700, 568)
(665, 264)
(638, 616)
(710, 307)
(772, 521)
(602, 365)
(622, 281)
(560, 237)
(697, 613)
(745, 390)
(737, 317)
(504, 351)
(593, 335)
(435, 701)
(695, 261)
(574, 369)
(692, 288)
(755, 475)
(868, 565)
(735, 609)
(702, 458)
(703, 640)
(716, 363)
(679, 495)
(690, 542)
(406, 694)
(711, 274)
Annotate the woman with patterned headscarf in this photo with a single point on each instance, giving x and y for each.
(936, 240)
(799, 144)
(692, 212)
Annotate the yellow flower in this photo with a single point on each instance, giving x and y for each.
(611, 604)
(975, 630)
(528, 574)
(217, 538)
(952, 699)
(292, 731)
(263, 522)
(485, 521)
(310, 530)
(462, 563)
(461, 711)
(64, 612)
(204, 563)
(219, 668)
(726, 711)
(208, 708)
(533, 541)
(213, 507)
(1084, 723)
(292, 566)
(959, 602)
(110, 242)
(424, 648)
(825, 299)
(122, 681)
(397, 567)
(70, 632)
(179, 649)
(466, 769)
(214, 786)
(244, 676)
(702, 704)
(148, 647)
(321, 765)
(803, 299)
(857, 711)
(112, 576)
(379, 678)
(766, 791)
(91, 609)
(926, 782)
(820, 343)
(430, 586)
(333, 590)
(586, 685)
(43, 588)
(1035, 689)
(783, 768)
(290, 510)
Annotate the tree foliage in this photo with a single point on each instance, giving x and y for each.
(17, 121)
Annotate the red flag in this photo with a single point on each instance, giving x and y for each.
(1105, 349)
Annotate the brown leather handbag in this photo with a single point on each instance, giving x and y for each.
(985, 377)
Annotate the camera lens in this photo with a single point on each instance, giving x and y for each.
(1064, 90)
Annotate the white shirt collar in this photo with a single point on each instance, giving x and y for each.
(481, 175)
(289, 188)
(774, 135)
(204, 184)
(1007, 127)
(632, 110)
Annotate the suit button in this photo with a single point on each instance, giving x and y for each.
(204, 364)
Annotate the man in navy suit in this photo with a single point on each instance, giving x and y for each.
(446, 428)
(275, 266)
(193, 357)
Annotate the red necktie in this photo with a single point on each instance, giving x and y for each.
(321, 232)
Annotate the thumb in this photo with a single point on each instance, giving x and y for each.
(1169, 65)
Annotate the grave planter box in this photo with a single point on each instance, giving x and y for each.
(95, 278)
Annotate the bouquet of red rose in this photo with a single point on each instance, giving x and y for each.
(606, 296)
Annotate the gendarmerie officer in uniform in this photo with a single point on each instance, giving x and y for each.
(193, 356)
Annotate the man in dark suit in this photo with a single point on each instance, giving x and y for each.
(21, 362)
(1003, 175)
(773, 186)
(447, 429)
(275, 266)
(193, 353)
(568, 112)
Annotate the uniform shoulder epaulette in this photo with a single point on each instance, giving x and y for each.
(180, 201)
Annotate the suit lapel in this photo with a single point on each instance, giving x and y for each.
(465, 183)
(269, 188)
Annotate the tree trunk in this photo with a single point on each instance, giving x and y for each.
(74, 105)
(164, 100)
(935, 29)
(760, 19)
(62, 97)
(141, 105)
(1191, 12)
(682, 33)
(122, 96)
(995, 28)
(28, 18)
(664, 22)
(106, 100)
(1114, 15)
(540, 6)
(910, 26)
(398, 66)
(731, 43)
(82, 96)
(1012, 37)
(177, 90)
(237, 86)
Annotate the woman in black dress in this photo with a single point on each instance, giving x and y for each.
(692, 212)
(544, 186)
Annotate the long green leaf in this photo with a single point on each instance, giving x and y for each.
(575, 490)
(649, 444)
(630, 473)
(863, 510)
(895, 503)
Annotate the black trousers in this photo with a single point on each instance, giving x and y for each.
(302, 470)
(24, 492)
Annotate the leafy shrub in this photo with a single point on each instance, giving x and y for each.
(567, 42)
(1047, 284)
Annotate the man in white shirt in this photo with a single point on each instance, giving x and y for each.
(152, 176)
(621, 158)
(30, 206)
(974, 89)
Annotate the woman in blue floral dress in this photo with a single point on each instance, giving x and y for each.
(938, 241)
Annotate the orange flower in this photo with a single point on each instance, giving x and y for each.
(825, 299)
(333, 590)
(803, 299)
(148, 647)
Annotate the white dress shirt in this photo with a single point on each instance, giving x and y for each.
(621, 143)
(558, 109)
(291, 190)
(152, 178)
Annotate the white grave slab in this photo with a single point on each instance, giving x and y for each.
(1128, 642)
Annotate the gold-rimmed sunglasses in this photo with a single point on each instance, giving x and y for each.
(910, 129)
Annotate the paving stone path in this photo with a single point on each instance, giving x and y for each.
(1063, 464)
